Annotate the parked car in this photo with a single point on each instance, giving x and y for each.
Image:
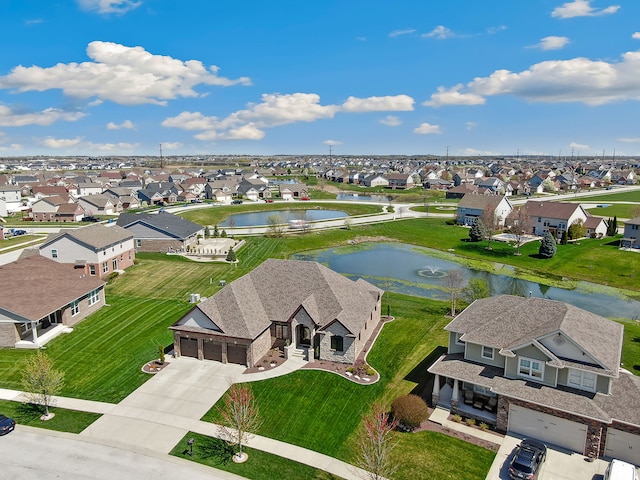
(527, 459)
(18, 231)
(305, 198)
(6, 424)
(236, 202)
(90, 218)
(268, 200)
(619, 470)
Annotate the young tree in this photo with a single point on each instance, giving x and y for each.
(547, 246)
(275, 225)
(231, 255)
(476, 232)
(478, 288)
(454, 283)
(41, 381)
(240, 416)
(376, 441)
(207, 232)
(565, 238)
(520, 225)
(490, 223)
(577, 230)
(216, 232)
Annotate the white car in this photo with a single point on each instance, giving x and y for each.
(619, 470)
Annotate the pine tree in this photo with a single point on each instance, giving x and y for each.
(231, 255)
(565, 238)
(476, 233)
(614, 228)
(548, 246)
(216, 233)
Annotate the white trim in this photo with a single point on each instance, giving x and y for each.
(581, 384)
(531, 369)
(488, 357)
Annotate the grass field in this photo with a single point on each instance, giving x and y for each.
(610, 196)
(64, 421)
(631, 346)
(620, 210)
(259, 466)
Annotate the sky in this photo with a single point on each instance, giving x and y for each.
(354, 77)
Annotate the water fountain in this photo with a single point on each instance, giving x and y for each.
(431, 272)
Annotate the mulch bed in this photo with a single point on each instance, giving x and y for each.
(272, 359)
(154, 366)
(436, 427)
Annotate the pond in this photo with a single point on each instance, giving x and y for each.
(255, 219)
(416, 271)
(356, 197)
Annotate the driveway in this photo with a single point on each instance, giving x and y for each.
(560, 464)
(161, 411)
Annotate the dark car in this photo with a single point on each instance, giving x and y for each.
(6, 424)
(527, 459)
(90, 218)
(236, 202)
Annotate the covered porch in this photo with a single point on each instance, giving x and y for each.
(467, 400)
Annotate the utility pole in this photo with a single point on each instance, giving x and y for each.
(161, 164)
(447, 154)
(330, 148)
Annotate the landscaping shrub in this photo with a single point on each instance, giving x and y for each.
(410, 411)
(547, 246)
(476, 233)
(457, 418)
(112, 276)
(471, 421)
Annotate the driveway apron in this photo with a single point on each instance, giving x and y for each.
(161, 411)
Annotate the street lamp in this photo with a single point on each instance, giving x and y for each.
(190, 443)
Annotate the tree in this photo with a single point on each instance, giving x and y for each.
(577, 230)
(207, 232)
(490, 224)
(520, 225)
(376, 441)
(240, 416)
(478, 288)
(410, 411)
(216, 232)
(547, 246)
(454, 283)
(548, 185)
(275, 225)
(41, 381)
(565, 238)
(476, 233)
(610, 232)
(231, 255)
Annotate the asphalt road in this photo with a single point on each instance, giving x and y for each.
(35, 454)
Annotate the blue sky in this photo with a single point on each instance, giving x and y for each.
(120, 77)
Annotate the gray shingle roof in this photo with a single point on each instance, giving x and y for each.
(507, 322)
(96, 236)
(162, 221)
(275, 290)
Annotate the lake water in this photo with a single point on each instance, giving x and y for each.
(415, 271)
(362, 198)
(256, 219)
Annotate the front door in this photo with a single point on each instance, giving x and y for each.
(304, 336)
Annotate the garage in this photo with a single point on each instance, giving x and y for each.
(237, 354)
(189, 347)
(212, 351)
(547, 428)
(623, 446)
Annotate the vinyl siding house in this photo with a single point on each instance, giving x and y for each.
(96, 249)
(631, 234)
(555, 217)
(161, 232)
(12, 198)
(543, 369)
(40, 298)
(303, 307)
(100, 204)
(472, 206)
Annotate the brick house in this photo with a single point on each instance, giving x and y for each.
(290, 304)
(543, 369)
(40, 298)
(97, 249)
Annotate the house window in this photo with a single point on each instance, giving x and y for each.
(337, 343)
(105, 267)
(458, 341)
(75, 308)
(92, 270)
(487, 352)
(129, 254)
(282, 331)
(93, 297)
(138, 242)
(582, 380)
(54, 253)
(530, 368)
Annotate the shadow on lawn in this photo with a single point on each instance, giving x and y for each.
(214, 449)
(422, 378)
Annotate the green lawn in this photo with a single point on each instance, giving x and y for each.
(259, 466)
(610, 196)
(631, 346)
(620, 210)
(64, 421)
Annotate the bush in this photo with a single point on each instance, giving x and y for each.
(457, 418)
(470, 421)
(547, 246)
(112, 276)
(410, 411)
(484, 426)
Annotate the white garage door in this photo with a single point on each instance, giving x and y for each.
(547, 428)
(623, 446)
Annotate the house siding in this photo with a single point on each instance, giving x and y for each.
(453, 346)
(550, 374)
(473, 352)
(259, 347)
(348, 353)
(84, 309)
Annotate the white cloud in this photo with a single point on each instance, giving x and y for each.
(51, 142)
(453, 96)
(126, 124)
(579, 146)
(397, 33)
(332, 142)
(629, 139)
(476, 152)
(110, 147)
(552, 43)
(124, 75)
(427, 129)
(390, 121)
(440, 32)
(494, 30)
(34, 21)
(582, 8)
(574, 80)
(172, 145)
(109, 6)
(636, 36)
(9, 118)
(397, 103)
(277, 110)
(79, 144)
(471, 126)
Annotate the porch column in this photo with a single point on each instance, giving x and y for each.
(455, 394)
(435, 394)
(34, 330)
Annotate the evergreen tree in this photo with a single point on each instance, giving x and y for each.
(610, 227)
(207, 232)
(565, 238)
(216, 233)
(614, 228)
(231, 255)
(476, 233)
(548, 246)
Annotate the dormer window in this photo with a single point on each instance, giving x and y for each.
(487, 352)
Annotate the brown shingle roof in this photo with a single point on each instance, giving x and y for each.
(96, 236)
(559, 210)
(35, 286)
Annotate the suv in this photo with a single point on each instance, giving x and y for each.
(619, 470)
(527, 459)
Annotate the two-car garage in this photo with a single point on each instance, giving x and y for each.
(547, 428)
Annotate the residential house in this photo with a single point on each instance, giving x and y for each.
(461, 190)
(473, 205)
(45, 209)
(101, 204)
(127, 196)
(292, 304)
(596, 226)
(543, 369)
(41, 191)
(40, 298)
(495, 185)
(161, 232)
(375, 180)
(253, 189)
(631, 237)
(97, 250)
(86, 189)
(11, 196)
(158, 192)
(555, 217)
(289, 191)
(400, 181)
